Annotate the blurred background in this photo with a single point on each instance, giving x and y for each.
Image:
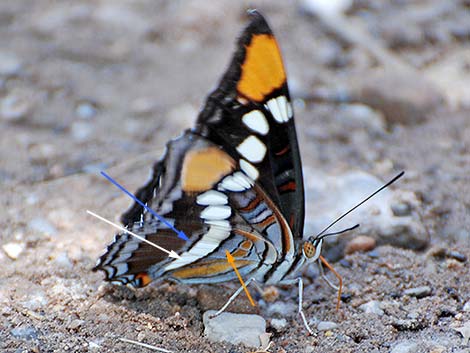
(378, 87)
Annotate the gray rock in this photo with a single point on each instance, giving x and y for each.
(282, 309)
(336, 194)
(372, 307)
(405, 347)
(418, 292)
(41, 225)
(234, 328)
(403, 97)
(326, 325)
(466, 306)
(360, 116)
(279, 324)
(26, 333)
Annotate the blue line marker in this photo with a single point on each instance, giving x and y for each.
(160, 218)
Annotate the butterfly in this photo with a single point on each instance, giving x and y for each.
(233, 182)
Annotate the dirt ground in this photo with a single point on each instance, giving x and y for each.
(89, 85)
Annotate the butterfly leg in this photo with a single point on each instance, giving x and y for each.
(232, 298)
(323, 275)
(338, 276)
(301, 312)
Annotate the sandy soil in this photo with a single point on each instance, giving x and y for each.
(88, 85)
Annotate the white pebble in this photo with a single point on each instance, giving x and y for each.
(372, 307)
(278, 324)
(13, 250)
(326, 326)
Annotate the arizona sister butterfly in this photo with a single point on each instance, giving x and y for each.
(233, 182)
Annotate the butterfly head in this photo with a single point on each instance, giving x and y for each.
(311, 249)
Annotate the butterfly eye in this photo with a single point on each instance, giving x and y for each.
(309, 249)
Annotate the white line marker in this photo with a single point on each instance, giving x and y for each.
(145, 345)
(170, 253)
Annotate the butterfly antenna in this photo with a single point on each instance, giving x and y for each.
(359, 204)
(337, 233)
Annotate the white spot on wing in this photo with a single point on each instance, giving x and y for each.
(249, 169)
(212, 197)
(282, 104)
(252, 149)
(256, 121)
(216, 212)
(236, 182)
(280, 109)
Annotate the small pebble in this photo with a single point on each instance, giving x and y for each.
(466, 306)
(35, 301)
(464, 331)
(13, 250)
(282, 309)
(408, 325)
(86, 110)
(62, 261)
(81, 130)
(15, 108)
(75, 324)
(405, 347)
(360, 243)
(401, 209)
(326, 326)
(234, 328)
(279, 324)
(9, 64)
(457, 256)
(25, 333)
(41, 225)
(418, 292)
(93, 346)
(42, 153)
(372, 307)
(373, 254)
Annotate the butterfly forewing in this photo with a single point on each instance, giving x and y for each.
(250, 115)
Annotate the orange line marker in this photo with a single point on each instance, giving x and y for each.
(231, 261)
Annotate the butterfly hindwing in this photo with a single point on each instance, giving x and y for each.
(201, 191)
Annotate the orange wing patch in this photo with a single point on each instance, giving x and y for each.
(203, 168)
(210, 268)
(144, 277)
(243, 250)
(262, 70)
